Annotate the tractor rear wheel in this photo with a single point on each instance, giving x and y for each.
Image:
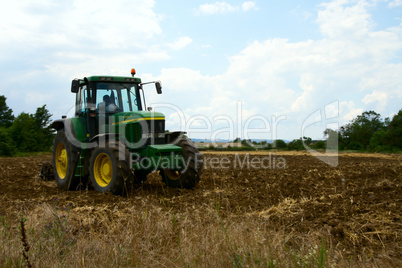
(65, 157)
(189, 176)
(108, 169)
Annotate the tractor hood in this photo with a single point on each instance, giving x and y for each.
(140, 128)
(132, 117)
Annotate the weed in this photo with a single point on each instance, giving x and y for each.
(25, 251)
(6, 227)
(316, 257)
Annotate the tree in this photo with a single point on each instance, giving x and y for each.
(246, 143)
(42, 117)
(389, 139)
(6, 144)
(280, 144)
(44, 134)
(377, 141)
(6, 114)
(299, 144)
(295, 145)
(23, 133)
(320, 145)
(31, 132)
(357, 134)
(393, 137)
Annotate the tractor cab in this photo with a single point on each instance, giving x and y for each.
(100, 99)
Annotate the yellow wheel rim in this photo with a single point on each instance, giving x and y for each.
(61, 160)
(103, 170)
(172, 174)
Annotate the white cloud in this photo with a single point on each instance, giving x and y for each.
(91, 24)
(395, 3)
(82, 32)
(59, 40)
(348, 111)
(181, 43)
(339, 19)
(216, 8)
(224, 8)
(247, 6)
(350, 64)
(378, 97)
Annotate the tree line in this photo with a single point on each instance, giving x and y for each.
(370, 132)
(26, 132)
(367, 132)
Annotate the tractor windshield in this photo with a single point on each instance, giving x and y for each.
(117, 97)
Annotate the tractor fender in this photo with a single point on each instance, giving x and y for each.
(74, 131)
(57, 124)
(65, 124)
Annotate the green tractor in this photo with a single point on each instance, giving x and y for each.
(114, 141)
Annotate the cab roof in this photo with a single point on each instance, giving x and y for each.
(107, 78)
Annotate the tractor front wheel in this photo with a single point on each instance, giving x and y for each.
(65, 157)
(108, 171)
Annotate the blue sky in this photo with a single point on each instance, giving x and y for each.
(255, 69)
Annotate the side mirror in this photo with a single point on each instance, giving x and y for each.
(158, 86)
(75, 85)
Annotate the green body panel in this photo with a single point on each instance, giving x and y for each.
(79, 128)
(161, 148)
(159, 157)
(131, 117)
(129, 124)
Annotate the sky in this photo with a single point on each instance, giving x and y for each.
(251, 69)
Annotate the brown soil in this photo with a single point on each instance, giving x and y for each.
(357, 203)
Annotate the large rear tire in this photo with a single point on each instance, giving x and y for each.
(108, 169)
(65, 157)
(189, 176)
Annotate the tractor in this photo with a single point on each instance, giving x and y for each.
(114, 141)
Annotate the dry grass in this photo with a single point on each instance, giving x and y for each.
(234, 218)
(151, 235)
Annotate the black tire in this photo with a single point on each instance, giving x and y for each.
(109, 170)
(189, 176)
(140, 176)
(65, 157)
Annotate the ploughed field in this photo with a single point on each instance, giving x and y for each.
(284, 209)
